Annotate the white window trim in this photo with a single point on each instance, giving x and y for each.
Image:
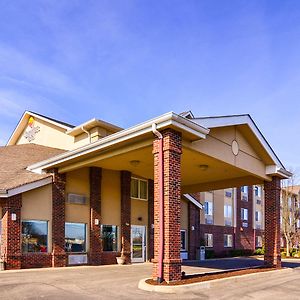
(212, 240)
(226, 236)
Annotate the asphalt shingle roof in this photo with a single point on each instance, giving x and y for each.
(15, 159)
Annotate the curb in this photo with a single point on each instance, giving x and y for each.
(179, 289)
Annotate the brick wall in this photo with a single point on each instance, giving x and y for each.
(272, 222)
(218, 237)
(36, 260)
(244, 238)
(58, 219)
(11, 232)
(126, 214)
(194, 235)
(95, 213)
(172, 149)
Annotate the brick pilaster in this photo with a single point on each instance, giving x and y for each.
(172, 149)
(272, 222)
(150, 219)
(95, 214)
(58, 219)
(11, 233)
(126, 214)
(194, 230)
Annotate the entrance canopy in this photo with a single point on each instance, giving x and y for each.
(217, 152)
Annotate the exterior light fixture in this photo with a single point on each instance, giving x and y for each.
(135, 163)
(203, 167)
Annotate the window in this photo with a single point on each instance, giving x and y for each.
(244, 189)
(258, 241)
(258, 216)
(228, 193)
(34, 236)
(244, 214)
(227, 240)
(257, 191)
(139, 189)
(183, 240)
(298, 223)
(208, 239)
(228, 215)
(208, 208)
(75, 237)
(109, 235)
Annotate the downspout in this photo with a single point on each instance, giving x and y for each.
(87, 132)
(161, 203)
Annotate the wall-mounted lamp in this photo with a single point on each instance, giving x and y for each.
(140, 218)
(96, 221)
(193, 228)
(13, 217)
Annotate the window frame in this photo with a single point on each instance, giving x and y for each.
(47, 239)
(185, 241)
(226, 236)
(139, 180)
(85, 238)
(243, 214)
(206, 240)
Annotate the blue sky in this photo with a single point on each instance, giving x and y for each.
(127, 61)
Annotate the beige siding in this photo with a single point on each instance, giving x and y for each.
(139, 209)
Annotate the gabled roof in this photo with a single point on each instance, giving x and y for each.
(14, 160)
(243, 119)
(23, 122)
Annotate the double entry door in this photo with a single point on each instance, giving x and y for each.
(138, 243)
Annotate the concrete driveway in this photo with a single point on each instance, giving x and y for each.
(120, 282)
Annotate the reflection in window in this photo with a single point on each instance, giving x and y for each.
(139, 189)
(75, 237)
(182, 240)
(109, 234)
(34, 236)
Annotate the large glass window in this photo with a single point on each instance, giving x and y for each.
(109, 234)
(257, 191)
(139, 188)
(244, 214)
(75, 237)
(34, 236)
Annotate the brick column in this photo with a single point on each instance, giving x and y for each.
(272, 222)
(11, 233)
(58, 219)
(126, 214)
(194, 230)
(95, 214)
(172, 187)
(150, 219)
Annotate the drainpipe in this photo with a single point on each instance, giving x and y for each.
(87, 132)
(161, 203)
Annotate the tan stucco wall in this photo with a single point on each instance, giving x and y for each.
(219, 207)
(77, 182)
(184, 223)
(49, 135)
(139, 208)
(111, 197)
(37, 205)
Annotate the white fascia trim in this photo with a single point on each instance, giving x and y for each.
(95, 121)
(163, 121)
(25, 188)
(273, 170)
(212, 122)
(191, 199)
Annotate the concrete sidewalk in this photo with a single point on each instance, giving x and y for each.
(121, 282)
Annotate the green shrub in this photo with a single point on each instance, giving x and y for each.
(259, 251)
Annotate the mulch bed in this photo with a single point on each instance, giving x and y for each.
(211, 276)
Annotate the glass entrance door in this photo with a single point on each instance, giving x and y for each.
(138, 243)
